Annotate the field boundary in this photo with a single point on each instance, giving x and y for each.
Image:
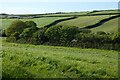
(57, 21)
(101, 22)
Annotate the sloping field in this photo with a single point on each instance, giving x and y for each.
(41, 22)
(38, 61)
(107, 12)
(83, 21)
(110, 26)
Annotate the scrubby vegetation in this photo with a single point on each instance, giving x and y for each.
(60, 36)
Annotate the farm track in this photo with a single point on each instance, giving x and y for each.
(100, 22)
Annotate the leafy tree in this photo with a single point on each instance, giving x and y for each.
(16, 26)
(53, 33)
(39, 37)
(30, 24)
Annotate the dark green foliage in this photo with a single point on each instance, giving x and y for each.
(3, 33)
(101, 32)
(68, 33)
(30, 23)
(14, 37)
(39, 37)
(53, 34)
(27, 32)
(16, 26)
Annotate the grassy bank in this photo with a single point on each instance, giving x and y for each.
(24, 60)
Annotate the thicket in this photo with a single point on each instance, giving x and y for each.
(27, 32)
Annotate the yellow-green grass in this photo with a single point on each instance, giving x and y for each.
(41, 22)
(109, 27)
(83, 21)
(39, 61)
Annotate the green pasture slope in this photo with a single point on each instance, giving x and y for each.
(41, 22)
(38, 61)
(107, 12)
(83, 21)
(110, 26)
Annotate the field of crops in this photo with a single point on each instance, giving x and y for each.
(83, 21)
(38, 61)
(41, 22)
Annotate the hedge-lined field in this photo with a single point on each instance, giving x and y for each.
(110, 26)
(83, 21)
(41, 22)
(38, 61)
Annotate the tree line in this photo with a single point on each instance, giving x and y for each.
(72, 36)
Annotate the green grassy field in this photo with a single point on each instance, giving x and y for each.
(106, 12)
(41, 22)
(83, 21)
(110, 26)
(38, 61)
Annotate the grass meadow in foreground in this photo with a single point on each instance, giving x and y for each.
(39, 61)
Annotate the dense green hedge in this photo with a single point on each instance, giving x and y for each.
(27, 32)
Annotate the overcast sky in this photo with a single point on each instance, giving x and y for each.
(48, 6)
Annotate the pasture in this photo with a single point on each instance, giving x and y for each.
(83, 21)
(110, 26)
(41, 22)
(39, 61)
(44, 61)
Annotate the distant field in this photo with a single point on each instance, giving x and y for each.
(68, 14)
(106, 12)
(41, 22)
(83, 21)
(38, 61)
(110, 26)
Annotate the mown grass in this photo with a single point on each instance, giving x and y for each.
(110, 26)
(83, 21)
(41, 22)
(39, 61)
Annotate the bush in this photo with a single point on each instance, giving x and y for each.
(68, 33)
(53, 34)
(30, 24)
(28, 32)
(39, 37)
(13, 38)
(16, 26)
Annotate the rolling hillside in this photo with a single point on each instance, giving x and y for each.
(41, 22)
(110, 26)
(38, 61)
(83, 21)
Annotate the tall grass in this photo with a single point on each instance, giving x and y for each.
(39, 61)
